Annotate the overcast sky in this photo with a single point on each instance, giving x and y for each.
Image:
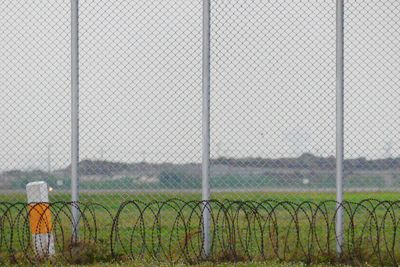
(272, 86)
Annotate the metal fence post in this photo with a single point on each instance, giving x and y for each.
(206, 129)
(339, 123)
(75, 115)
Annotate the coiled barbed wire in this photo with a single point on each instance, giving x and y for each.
(172, 231)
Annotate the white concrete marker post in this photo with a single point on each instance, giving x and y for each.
(40, 219)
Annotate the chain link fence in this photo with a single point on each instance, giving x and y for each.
(273, 99)
(273, 96)
(34, 94)
(140, 97)
(372, 80)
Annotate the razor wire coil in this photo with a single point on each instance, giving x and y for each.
(171, 231)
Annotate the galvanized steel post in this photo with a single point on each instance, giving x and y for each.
(206, 129)
(75, 115)
(339, 123)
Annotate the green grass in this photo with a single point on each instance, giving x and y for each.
(115, 199)
(89, 252)
(205, 264)
(112, 199)
(247, 264)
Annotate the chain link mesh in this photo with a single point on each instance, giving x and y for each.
(372, 96)
(273, 96)
(140, 103)
(273, 103)
(34, 94)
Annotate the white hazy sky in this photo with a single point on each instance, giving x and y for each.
(273, 80)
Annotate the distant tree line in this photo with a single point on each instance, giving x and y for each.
(312, 162)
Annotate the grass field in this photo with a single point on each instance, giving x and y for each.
(163, 235)
(115, 199)
(247, 264)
